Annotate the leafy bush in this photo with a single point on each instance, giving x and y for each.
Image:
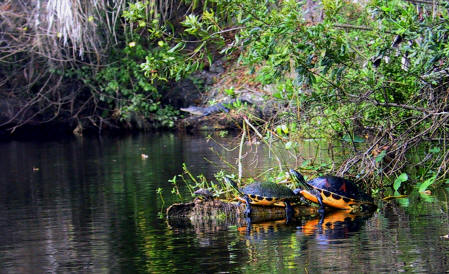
(378, 71)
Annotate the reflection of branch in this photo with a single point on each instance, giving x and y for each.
(263, 139)
(242, 141)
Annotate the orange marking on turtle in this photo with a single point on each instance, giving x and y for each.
(343, 187)
(309, 196)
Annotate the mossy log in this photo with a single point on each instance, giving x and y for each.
(231, 213)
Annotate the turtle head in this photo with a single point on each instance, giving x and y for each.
(300, 180)
(231, 183)
(298, 177)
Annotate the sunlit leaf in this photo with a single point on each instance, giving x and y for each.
(424, 185)
(399, 180)
(177, 46)
(278, 130)
(209, 59)
(435, 150)
(277, 95)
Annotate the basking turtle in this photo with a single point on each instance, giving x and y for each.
(332, 191)
(204, 193)
(266, 194)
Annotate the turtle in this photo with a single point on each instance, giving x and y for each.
(265, 194)
(333, 191)
(204, 193)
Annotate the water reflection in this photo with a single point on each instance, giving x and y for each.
(338, 224)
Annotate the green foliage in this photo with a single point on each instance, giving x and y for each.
(333, 60)
(125, 89)
(194, 183)
(377, 66)
(153, 55)
(157, 52)
(164, 63)
(136, 13)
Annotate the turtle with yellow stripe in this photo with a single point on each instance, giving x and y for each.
(265, 194)
(333, 191)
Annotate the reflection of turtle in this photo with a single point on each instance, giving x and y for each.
(338, 224)
(333, 191)
(266, 194)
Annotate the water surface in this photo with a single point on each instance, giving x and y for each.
(92, 205)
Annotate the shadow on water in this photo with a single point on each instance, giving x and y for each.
(91, 205)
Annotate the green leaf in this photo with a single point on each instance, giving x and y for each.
(177, 46)
(305, 163)
(357, 139)
(424, 185)
(279, 130)
(289, 145)
(209, 59)
(381, 156)
(399, 180)
(435, 150)
(277, 95)
(293, 127)
(230, 91)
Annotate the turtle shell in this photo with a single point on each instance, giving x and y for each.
(337, 190)
(267, 193)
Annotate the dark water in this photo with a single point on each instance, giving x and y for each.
(91, 205)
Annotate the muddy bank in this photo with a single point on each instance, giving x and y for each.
(230, 95)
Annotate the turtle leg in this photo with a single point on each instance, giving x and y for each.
(248, 225)
(302, 199)
(248, 206)
(320, 201)
(288, 211)
(297, 191)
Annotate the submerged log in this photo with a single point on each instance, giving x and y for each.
(200, 212)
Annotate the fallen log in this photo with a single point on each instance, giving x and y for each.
(203, 212)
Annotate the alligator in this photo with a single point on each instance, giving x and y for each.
(220, 107)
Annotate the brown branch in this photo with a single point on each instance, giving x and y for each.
(401, 106)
